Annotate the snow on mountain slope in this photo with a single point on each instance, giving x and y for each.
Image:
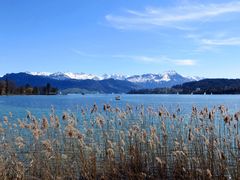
(59, 76)
(166, 77)
(114, 76)
(144, 78)
(39, 73)
(81, 76)
(64, 76)
(195, 78)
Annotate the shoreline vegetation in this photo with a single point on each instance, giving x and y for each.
(205, 86)
(9, 88)
(132, 142)
(230, 91)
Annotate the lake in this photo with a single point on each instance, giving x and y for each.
(41, 105)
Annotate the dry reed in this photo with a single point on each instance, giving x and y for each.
(127, 143)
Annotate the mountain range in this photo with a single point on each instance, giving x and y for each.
(103, 84)
(166, 76)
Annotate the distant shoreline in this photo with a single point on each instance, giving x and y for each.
(12, 95)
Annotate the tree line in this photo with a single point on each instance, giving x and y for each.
(205, 86)
(155, 91)
(10, 88)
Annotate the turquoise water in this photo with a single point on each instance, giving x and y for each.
(41, 105)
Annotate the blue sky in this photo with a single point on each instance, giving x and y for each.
(127, 37)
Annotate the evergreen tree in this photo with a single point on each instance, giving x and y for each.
(6, 86)
(36, 91)
(48, 88)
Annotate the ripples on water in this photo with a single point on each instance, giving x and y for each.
(40, 105)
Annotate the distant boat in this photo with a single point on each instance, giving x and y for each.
(117, 98)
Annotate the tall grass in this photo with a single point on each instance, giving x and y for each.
(126, 143)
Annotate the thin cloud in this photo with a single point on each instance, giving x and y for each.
(159, 60)
(171, 17)
(185, 62)
(141, 58)
(213, 41)
(145, 59)
(221, 42)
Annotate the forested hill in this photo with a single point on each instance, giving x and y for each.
(208, 86)
(215, 86)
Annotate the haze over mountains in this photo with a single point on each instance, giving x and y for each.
(103, 84)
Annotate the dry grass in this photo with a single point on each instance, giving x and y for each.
(129, 143)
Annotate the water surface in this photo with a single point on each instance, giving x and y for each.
(41, 105)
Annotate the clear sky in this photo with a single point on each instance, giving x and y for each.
(125, 36)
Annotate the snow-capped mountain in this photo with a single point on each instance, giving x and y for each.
(195, 78)
(65, 76)
(39, 73)
(114, 76)
(59, 76)
(78, 76)
(81, 76)
(151, 80)
(104, 84)
(166, 79)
